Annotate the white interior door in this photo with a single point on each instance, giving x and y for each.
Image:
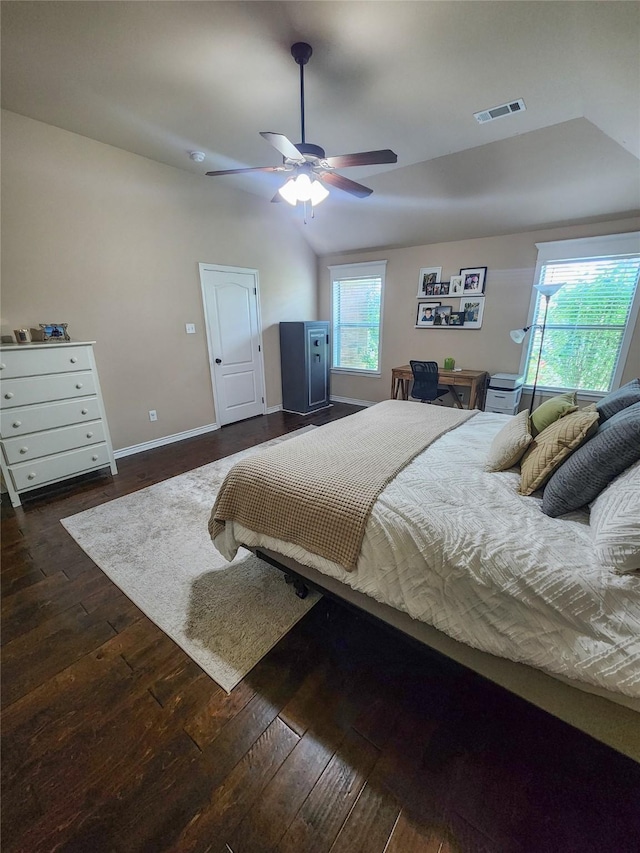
(230, 297)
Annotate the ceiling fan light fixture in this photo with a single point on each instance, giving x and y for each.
(302, 188)
(289, 192)
(318, 193)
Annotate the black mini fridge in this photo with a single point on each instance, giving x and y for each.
(304, 360)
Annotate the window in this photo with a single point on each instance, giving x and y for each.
(590, 319)
(357, 316)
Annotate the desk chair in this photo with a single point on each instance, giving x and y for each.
(425, 381)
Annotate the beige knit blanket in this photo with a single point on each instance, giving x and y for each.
(317, 490)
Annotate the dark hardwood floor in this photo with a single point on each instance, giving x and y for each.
(344, 738)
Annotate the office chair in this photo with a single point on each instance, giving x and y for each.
(425, 381)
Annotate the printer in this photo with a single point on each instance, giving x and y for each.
(503, 393)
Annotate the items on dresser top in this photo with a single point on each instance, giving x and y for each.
(23, 336)
(52, 419)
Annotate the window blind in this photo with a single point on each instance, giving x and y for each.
(356, 322)
(587, 321)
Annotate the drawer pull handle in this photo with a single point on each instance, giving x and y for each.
(78, 384)
(84, 411)
(89, 435)
(8, 395)
(31, 476)
(17, 424)
(94, 458)
(24, 450)
(73, 360)
(2, 366)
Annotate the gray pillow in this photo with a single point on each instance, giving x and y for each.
(614, 447)
(619, 399)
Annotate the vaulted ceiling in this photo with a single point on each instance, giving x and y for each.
(161, 79)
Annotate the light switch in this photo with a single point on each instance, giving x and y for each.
(191, 328)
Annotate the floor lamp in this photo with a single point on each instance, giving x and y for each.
(518, 335)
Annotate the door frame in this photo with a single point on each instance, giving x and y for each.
(203, 267)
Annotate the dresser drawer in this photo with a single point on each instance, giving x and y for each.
(48, 416)
(41, 471)
(24, 448)
(35, 361)
(41, 389)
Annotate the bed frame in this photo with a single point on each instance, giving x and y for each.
(613, 719)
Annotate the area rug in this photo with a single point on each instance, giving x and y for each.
(154, 545)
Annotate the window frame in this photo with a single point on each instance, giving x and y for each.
(343, 272)
(584, 249)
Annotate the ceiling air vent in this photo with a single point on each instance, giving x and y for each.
(499, 112)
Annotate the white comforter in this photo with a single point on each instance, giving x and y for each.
(460, 549)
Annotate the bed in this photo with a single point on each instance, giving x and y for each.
(449, 554)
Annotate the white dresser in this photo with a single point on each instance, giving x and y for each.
(52, 419)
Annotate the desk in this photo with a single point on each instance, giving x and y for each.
(475, 380)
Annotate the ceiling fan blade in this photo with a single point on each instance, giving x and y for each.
(283, 145)
(364, 158)
(240, 171)
(345, 184)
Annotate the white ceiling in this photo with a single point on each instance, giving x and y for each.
(161, 79)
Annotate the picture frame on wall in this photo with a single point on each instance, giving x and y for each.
(429, 276)
(456, 318)
(474, 279)
(426, 314)
(456, 285)
(473, 309)
(443, 313)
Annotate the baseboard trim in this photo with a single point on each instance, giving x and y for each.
(166, 439)
(192, 433)
(353, 402)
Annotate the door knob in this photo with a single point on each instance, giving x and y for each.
(218, 361)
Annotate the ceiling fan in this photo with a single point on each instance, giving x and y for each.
(307, 165)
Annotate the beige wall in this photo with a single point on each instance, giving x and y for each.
(511, 263)
(109, 242)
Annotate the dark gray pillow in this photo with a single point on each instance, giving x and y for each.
(619, 399)
(614, 447)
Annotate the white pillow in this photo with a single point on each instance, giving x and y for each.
(615, 522)
(509, 445)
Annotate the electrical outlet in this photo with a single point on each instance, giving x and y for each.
(191, 328)
(153, 415)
